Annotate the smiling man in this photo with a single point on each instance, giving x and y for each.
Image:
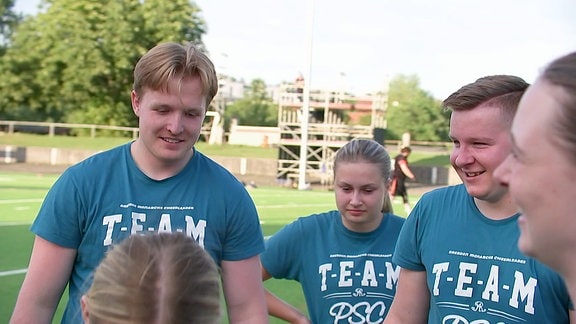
(158, 183)
(458, 249)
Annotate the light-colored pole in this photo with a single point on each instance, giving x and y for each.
(306, 102)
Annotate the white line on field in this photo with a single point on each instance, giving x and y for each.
(294, 205)
(12, 272)
(19, 201)
(14, 223)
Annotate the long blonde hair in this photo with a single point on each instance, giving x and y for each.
(562, 73)
(155, 278)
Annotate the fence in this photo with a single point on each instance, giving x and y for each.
(11, 126)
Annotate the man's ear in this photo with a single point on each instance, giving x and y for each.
(84, 308)
(135, 102)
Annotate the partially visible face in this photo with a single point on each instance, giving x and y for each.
(541, 178)
(170, 122)
(360, 192)
(481, 142)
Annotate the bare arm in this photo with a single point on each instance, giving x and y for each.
(412, 300)
(48, 273)
(572, 316)
(406, 170)
(244, 291)
(281, 309)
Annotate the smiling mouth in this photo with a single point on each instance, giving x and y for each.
(473, 174)
(171, 140)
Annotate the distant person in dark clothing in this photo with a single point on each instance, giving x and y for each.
(401, 172)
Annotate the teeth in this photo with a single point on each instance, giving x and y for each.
(473, 174)
(171, 140)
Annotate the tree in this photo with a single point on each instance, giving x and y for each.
(8, 21)
(74, 61)
(255, 109)
(414, 110)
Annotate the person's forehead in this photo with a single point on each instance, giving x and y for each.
(536, 111)
(471, 120)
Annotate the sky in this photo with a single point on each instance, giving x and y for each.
(358, 46)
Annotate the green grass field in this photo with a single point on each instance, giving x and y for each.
(21, 195)
(417, 158)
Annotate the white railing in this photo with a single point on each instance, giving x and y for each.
(11, 126)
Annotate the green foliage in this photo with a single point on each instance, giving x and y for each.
(413, 110)
(430, 159)
(8, 20)
(73, 62)
(255, 109)
(365, 120)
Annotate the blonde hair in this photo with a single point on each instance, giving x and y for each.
(155, 278)
(167, 61)
(562, 73)
(370, 151)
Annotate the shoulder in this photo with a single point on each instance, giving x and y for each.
(105, 160)
(320, 218)
(436, 200)
(440, 203)
(214, 172)
(315, 222)
(209, 165)
(395, 219)
(450, 192)
(394, 223)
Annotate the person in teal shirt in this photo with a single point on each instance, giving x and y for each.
(458, 252)
(157, 183)
(541, 168)
(154, 278)
(342, 258)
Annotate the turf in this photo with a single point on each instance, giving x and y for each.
(21, 195)
(437, 157)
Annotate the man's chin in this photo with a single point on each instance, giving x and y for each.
(474, 191)
(172, 157)
(525, 244)
(486, 193)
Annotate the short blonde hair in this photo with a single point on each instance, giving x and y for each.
(167, 61)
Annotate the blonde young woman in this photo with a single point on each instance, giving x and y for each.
(541, 170)
(343, 257)
(154, 278)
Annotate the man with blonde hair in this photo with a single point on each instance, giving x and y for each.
(158, 183)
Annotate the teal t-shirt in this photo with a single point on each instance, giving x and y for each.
(474, 269)
(346, 277)
(106, 198)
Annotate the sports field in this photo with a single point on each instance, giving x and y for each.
(22, 193)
